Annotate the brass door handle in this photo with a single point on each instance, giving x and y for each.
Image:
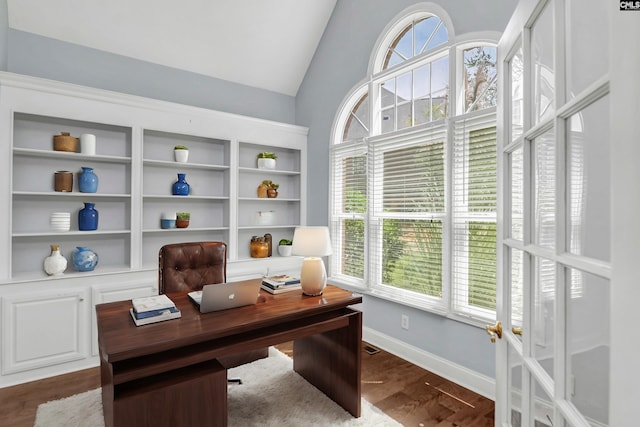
(517, 331)
(494, 330)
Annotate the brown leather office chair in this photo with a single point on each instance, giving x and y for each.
(190, 266)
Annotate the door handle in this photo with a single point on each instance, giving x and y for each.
(517, 331)
(494, 330)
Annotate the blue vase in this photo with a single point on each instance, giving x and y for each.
(87, 181)
(84, 259)
(181, 187)
(88, 218)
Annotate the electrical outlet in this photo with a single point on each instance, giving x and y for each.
(404, 322)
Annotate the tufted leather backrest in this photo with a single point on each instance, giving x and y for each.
(190, 266)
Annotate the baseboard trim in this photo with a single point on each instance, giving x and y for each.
(466, 377)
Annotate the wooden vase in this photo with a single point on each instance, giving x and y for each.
(262, 191)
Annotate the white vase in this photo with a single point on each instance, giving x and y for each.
(181, 156)
(55, 264)
(266, 163)
(88, 144)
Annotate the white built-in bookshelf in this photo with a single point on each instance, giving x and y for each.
(135, 165)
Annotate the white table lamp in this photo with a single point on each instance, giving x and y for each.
(313, 243)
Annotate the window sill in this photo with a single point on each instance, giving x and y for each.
(469, 320)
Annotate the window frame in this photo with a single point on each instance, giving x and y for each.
(453, 49)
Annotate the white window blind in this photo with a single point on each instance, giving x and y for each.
(474, 214)
(349, 211)
(408, 211)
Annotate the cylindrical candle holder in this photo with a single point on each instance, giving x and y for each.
(63, 181)
(88, 144)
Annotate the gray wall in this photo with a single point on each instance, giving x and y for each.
(3, 34)
(341, 62)
(30, 54)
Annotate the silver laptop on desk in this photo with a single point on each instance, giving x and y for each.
(227, 295)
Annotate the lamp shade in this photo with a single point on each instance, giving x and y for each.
(311, 241)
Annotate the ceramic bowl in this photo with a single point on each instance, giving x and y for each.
(265, 217)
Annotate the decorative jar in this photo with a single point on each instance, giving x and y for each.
(65, 142)
(168, 220)
(84, 259)
(259, 248)
(262, 190)
(88, 180)
(63, 181)
(88, 144)
(55, 264)
(181, 187)
(88, 217)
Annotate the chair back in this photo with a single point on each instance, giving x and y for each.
(190, 266)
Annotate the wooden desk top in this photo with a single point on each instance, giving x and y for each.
(120, 339)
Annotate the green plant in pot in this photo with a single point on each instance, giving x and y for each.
(267, 160)
(182, 219)
(284, 247)
(181, 153)
(272, 191)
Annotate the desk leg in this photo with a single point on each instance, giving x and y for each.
(331, 362)
(106, 376)
(193, 396)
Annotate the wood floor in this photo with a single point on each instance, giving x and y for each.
(405, 392)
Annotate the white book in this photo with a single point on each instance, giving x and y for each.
(166, 315)
(156, 302)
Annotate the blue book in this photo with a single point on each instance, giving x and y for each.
(153, 313)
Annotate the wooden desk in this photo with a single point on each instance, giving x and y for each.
(166, 373)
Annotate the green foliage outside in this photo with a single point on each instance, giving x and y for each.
(415, 257)
(482, 256)
(412, 248)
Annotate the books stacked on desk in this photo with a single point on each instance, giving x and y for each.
(280, 284)
(153, 309)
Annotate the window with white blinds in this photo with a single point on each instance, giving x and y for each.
(409, 211)
(474, 214)
(349, 172)
(413, 185)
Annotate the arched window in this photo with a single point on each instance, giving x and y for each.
(357, 124)
(413, 179)
(420, 36)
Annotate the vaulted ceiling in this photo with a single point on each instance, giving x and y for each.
(266, 44)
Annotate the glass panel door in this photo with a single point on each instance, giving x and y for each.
(552, 363)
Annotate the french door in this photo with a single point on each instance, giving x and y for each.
(554, 253)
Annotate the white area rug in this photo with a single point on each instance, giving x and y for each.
(271, 394)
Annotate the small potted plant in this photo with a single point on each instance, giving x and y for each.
(268, 189)
(272, 191)
(181, 153)
(284, 247)
(267, 160)
(182, 219)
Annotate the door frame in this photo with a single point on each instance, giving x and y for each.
(625, 236)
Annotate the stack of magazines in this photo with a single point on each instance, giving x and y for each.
(280, 284)
(153, 309)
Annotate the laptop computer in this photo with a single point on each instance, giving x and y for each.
(223, 296)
